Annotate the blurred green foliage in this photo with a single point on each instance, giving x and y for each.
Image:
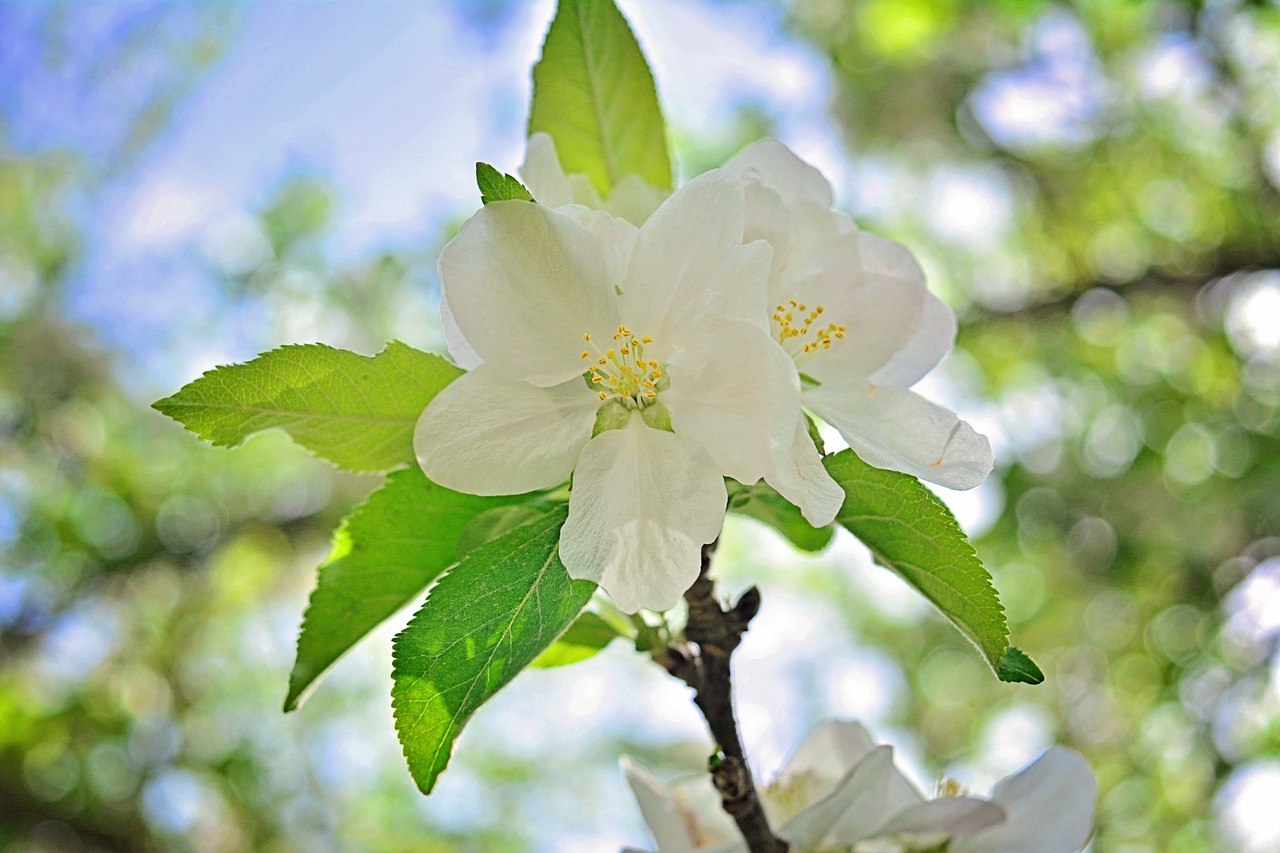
(1093, 186)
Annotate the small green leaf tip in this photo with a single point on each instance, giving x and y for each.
(1017, 668)
(496, 186)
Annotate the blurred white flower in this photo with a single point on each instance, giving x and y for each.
(853, 313)
(632, 199)
(840, 793)
(618, 354)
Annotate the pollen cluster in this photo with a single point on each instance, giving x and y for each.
(796, 331)
(622, 370)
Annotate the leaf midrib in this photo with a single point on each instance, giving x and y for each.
(493, 651)
(597, 104)
(299, 413)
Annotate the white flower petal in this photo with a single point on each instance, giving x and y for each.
(617, 237)
(883, 256)
(747, 288)
(686, 256)
(933, 338)
(798, 475)
(949, 816)
(542, 173)
(898, 429)
(644, 502)
(485, 434)
(830, 751)
(768, 220)
(865, 799)
(634, 200)
(1048, 807)
(740, 404)
(776, 165)
(524, 284)
(880, 312)
(659, 808)
(463, 355)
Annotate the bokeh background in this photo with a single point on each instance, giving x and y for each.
(1093, 186)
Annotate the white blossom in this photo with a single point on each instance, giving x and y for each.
(853, 313)
(621, 355)
(840, 793)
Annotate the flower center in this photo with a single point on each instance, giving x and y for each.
(797, 328)
(623, 372)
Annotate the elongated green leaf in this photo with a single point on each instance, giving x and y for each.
(912, 532)
(486, 620)
(594, 93)
(586, 637)
(496, 186)
(356, 411)
(764, 504)
(1017, 667)
(384, 554)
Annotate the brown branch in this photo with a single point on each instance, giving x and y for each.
(703, 663)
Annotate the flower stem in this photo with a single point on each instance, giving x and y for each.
(702, 662)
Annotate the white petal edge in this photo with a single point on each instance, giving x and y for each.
(830, 750)
(463, 355)
(543, 174)
(524, 283)
(779, 167)
(634, 200)
(931, 340)
(865, 799)
(658, 807)
(740, 404)
(1048, 806)
(948, 816)
(643, 504)
(686, 257)
(485, 434)
(799, 476)
(881, 312)
(898, 429)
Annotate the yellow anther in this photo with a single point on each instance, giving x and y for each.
(798, 324)
(622, 373)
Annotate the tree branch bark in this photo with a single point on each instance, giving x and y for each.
(702, 662)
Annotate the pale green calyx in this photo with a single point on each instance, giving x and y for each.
(612, 415)
(621, 373)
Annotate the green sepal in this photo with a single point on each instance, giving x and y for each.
(497, 186)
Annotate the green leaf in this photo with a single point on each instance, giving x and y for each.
(594, 93)
(496, 186)
(585, 638)
(1017, 667)
(764, 504)
(492, 523)
(911, 531)
(386, 552)
(358, 412)
(483, 622)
